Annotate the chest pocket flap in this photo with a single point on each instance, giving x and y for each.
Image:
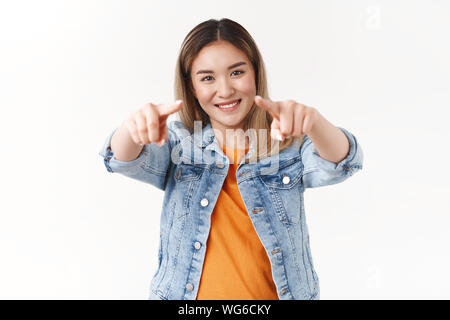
(286, 176)
(188, 172)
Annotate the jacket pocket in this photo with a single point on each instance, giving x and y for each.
(284, 176)
(188, 172)
(285, 190)
(187, 179)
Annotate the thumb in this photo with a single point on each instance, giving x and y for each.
(275, 130)
(163, 134)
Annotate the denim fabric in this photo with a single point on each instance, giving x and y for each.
(189, 169)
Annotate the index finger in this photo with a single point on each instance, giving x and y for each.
(167, 109)
(270, 106)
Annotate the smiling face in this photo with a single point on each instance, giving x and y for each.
(222, 74)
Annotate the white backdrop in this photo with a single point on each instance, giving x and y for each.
(71, 71)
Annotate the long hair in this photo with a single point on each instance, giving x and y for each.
(227, 30)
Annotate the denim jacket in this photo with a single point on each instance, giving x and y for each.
(191, 169)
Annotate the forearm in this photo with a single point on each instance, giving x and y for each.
(330, 142)
(123, 146)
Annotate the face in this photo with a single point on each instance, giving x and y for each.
(221, 75)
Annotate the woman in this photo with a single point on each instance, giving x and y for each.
(234, 171)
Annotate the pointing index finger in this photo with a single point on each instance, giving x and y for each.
(270, 106)
(167, 109)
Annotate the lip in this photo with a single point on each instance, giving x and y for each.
(227, 102)
(232, 108)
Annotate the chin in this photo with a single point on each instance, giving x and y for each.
(231, 124)
(231, 121)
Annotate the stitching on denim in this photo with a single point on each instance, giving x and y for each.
(165, 261)
(351, 169)
(294, 180)
(302, 220)
(147, 168)
(355, 145)
(176, 255)
(284, 164)
(187, 199)
(192, 177)
(356, 151)
(192, 256)
(294, 251)
(284, 280)
(279, 207)
(159, 294)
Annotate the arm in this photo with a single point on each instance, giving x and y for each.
(124, 150)
(123, 146)
(330, 142)
(318, 171)
(150, 166)
(329, 154)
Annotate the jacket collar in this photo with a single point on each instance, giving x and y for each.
(208, 141)
(206, 138)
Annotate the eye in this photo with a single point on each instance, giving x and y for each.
(240, 72)
(204, 79)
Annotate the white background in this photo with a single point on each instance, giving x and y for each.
(72, 71)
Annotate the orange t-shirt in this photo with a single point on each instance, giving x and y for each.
(236, 265)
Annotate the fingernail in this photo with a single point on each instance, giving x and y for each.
(178, 101)
(161, 142)
(276, 135)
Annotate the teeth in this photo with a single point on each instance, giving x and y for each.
(229, 105)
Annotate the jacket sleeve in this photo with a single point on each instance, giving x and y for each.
(151, 166)
(319, 172)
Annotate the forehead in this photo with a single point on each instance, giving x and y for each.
(217, 56)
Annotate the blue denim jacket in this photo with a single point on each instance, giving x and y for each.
(191, 168)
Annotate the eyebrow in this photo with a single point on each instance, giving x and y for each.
(230, 67)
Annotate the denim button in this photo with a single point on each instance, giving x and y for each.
(197, 245)
(286, 179)
(204, 202)
(189, 287)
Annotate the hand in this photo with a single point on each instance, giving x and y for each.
(290, 119)
(148, 124)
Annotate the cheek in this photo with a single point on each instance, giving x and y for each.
(204, 93)
(247, 86)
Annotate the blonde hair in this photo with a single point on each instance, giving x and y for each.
(227, 30)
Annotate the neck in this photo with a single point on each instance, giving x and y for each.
(230, 137)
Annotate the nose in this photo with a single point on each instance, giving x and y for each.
(225, 89)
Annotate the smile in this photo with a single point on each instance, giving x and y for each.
(229, 107)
